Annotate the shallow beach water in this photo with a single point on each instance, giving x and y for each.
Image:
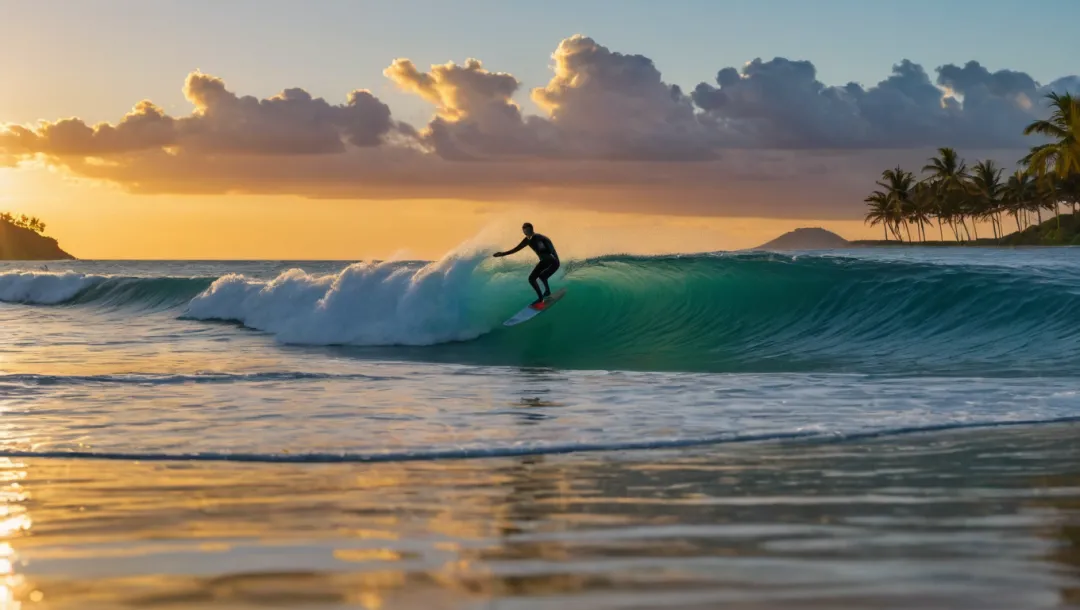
(945, 520)
(878, 429)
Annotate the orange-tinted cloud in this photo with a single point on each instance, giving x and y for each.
(291, 122)
(766, 139)
(145, 127)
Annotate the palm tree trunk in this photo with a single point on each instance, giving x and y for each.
(885, 229)
(940, 232)
(1018, 229)
(907, 229)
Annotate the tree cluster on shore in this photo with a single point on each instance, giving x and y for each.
(955, 196)
(23, 221)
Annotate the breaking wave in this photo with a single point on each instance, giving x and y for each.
(710, 312)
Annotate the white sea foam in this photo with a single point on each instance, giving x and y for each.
(384, 303)
(44, 288)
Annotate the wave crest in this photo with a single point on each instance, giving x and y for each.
(386, 303)
(711, 313)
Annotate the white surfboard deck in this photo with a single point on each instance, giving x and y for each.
(531, 311)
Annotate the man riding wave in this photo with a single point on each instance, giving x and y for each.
(549, 259)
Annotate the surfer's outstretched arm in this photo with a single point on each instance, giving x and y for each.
(523, 243)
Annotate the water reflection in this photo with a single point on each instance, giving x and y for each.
(1063, 530)
(14, 523)
(959, 521)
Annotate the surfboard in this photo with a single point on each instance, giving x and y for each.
(531, 311)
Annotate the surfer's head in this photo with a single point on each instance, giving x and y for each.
(527, 229)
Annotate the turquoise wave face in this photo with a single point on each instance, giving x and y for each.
(141, 293)
(700, 313)
(771, 313)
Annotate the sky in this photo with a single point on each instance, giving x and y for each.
(274, 129)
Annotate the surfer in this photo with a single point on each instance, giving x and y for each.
(549, 259)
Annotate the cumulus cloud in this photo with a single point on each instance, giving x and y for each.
(781, 104)
(599, 104)
(292, 122)
(605, 130)
(613, 105)
(146, 126)
(476, 114)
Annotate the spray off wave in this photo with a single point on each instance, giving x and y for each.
(366, 304)
(753, 312)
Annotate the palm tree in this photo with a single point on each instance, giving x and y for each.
(986, 195)
(879, 211)
(1060, 157)
(947, 207)
(1057, 162)
(1070, 190)
(934, 205)
(898, 185)
(1047, 193)
(922, 207)
(1018, 195)
(949, 173)
(23, 221)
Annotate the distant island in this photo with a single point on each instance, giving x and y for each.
(22, 239)
(806, 239)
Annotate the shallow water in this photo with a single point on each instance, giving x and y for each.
(851, 429)
(948, 520)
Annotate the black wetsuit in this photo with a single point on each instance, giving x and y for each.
(549, 261)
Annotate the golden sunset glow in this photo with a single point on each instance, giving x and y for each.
(606, 155)
(98, 221)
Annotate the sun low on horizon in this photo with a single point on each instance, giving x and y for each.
(415, 141)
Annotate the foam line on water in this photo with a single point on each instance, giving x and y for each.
(520, 451)
(156, 379)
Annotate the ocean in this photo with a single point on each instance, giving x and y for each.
(875, 428)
